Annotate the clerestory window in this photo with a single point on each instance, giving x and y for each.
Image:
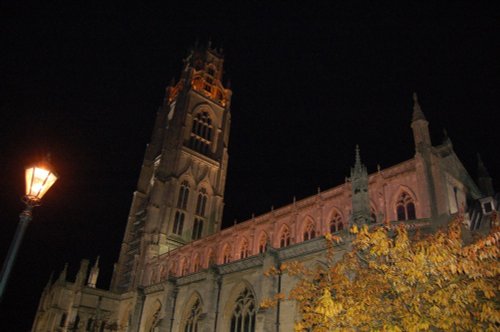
(336, 224)
(309, 231)
(285, 237)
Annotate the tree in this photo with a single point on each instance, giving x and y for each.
(389, 282)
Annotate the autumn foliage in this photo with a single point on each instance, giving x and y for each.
(388, 281)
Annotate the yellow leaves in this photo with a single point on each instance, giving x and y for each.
(390, 282)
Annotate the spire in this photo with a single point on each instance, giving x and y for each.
(417, 111)
(62, 275)
(481, 169)
(483, 178)
(357, 163)
(420, 127)
(49, 282)
(94, 273)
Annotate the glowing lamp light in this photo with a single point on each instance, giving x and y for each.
(38, 181)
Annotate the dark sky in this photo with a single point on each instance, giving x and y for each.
(310, 81)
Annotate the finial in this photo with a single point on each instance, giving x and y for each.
(235, 221)
(97, 261)
(272, 207)
(319, 190)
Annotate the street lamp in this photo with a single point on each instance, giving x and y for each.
(39, 178)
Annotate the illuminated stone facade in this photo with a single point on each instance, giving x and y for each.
(177, 270)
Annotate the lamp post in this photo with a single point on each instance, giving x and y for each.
(39, 179)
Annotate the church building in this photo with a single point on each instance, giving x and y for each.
(179, 271)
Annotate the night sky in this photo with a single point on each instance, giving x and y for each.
(83, 83)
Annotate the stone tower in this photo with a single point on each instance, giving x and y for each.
(360, 197)
(180, 192)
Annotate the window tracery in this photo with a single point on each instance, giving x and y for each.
(336, 224)
(284, 237)
(191, 324)
(405, 207)
(243, 317)
(309, 231)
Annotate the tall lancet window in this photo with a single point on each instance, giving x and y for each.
(262, 243)
(244, 251)
(200, 213)
(183, 195)
(201, 133)
(405, 207)
(193, 317)
(243, 318)
(182, 202)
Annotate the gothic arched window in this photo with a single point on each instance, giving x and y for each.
(62, 322)
(243, 317)
(262, 243)
(201, 133)
(285, 237)
(197, 228)
(178, 223)
(183, 195)
(336, 224)
(193, 317)
(210, 258)
(196, 263)
(373, 216)
(201, 202)
(184, 267)
(309, 231)
(405, 207)
(244, 252)
(226, 254)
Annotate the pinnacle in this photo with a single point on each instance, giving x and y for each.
(417, 111)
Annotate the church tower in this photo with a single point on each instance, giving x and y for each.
(180, 192)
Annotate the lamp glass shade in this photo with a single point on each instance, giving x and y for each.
(38, 181)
